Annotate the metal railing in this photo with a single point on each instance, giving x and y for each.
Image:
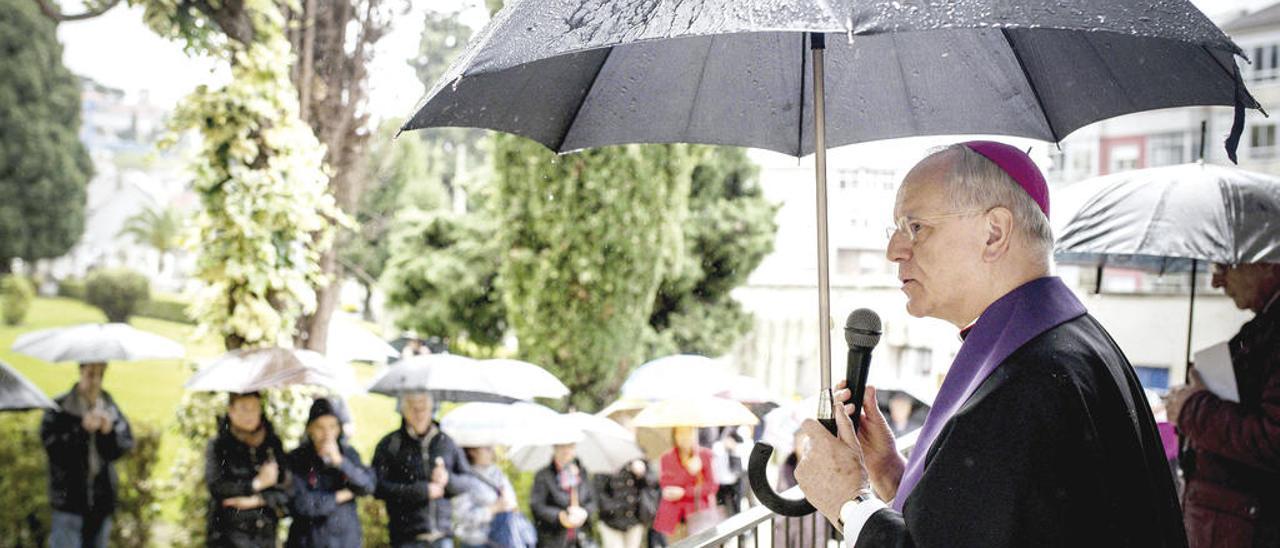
(756, 526)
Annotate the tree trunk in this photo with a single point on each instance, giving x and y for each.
(332, 82)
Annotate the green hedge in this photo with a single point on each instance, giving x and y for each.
(71, 288)
(117, 292)
(165, 308)
(16, 293)
(24, 516)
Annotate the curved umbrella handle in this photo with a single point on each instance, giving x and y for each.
(757, 477)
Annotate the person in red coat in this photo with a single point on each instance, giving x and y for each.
(1232, 497)
(688, 487)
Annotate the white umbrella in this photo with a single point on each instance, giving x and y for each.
(251, 370)
(781, 424)
(349, 341)
(747, 390)
(525, 380)
(90, 343)
(19, 394)
(678, 376)
(483, 424)
(447, 377)
(699, 412)
(603, 446)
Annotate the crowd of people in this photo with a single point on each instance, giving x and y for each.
(436, 494)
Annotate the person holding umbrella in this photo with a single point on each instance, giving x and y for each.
(628, 504)
(419, 469)
(485, 514)
(1040, 434)
(247, 489)
(83, 438)
(1232, 496)
(688, 487)
(563, 501)
(327, 478)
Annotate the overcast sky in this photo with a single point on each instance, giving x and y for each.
(118, 50)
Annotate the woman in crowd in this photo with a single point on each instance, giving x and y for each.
(688, 487)
(628, 502)
(247, 495)
(485, 514)
(562, 502)
(327, 477)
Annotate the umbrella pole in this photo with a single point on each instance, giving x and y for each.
(817, 43)
(1191, 315)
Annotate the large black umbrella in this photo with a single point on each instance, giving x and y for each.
(1174, 219)
(573, 74)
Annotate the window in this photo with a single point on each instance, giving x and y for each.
(1153, 377)
(1124, 156)
(1167, 149)
(1265, 63)
(1262, 141)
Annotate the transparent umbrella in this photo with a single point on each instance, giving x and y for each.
(252, 370)
(602, 445)
(90, 343)
(19, 394)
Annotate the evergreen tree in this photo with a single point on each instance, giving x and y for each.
(43, 166)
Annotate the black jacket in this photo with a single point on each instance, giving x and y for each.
(230, 467)
(547, 500)
(318, 520)
(402, 476)
(625, 500)
(1057, 447)
(71, 489)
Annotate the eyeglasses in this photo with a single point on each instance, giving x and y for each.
(912, 226)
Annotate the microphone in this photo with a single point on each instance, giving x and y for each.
(862, 333)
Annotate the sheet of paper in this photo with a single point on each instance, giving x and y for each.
(1214, 365)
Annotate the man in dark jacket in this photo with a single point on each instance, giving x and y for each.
(83, 438)
(562, 502)
(416, 468)
(628, 502)
(1040, 434)
(247, 489)
(327, 476)
(1232, 496)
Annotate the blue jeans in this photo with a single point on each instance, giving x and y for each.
(67, 530)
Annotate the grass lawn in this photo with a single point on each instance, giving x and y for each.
(148, 392)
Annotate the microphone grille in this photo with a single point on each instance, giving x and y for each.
(862, 328)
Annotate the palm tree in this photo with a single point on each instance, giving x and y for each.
(157, 227)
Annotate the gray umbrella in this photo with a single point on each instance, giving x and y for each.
(1171, 219)
(19, 394)
(573, 74)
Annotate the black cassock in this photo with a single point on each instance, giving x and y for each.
(1057, 447)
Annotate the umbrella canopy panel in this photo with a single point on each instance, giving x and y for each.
(483, 424)
(19, 394)
(602, 444)
(251, 370)
(448, 377)
(747, 82)
(1163, 218)
(89, 343)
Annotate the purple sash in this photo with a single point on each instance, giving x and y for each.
(1010, 322)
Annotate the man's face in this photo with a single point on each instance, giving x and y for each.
(416, 409)
(245, 413)
(324, 430)
(1250, 286)
(91, 378)
(947, 249)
